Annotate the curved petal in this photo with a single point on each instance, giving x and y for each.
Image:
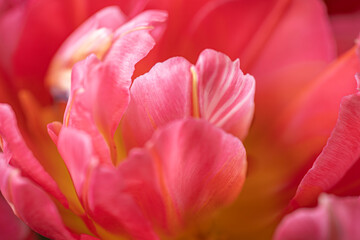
(188, 169)
(226, 95)
(19, 155)
(341, 153)
(32, 204)
(214, 89)
(334, 218)
(199, 166)
(11, 227)
(100, 91)
(76, 150)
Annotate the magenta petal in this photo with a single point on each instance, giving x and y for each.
(226, 95)
(32, 204)
(17, 154)
(339, 155)
(11, 227)
(334, 218)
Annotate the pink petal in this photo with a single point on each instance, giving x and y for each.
(337, 158)
(93, 36)
(76, 150)
(32, 204)
(215, 89)
(307, 122)
(161, 96)
(199, 166)
(346, 29)
(10, 226)
(226, 95)
(112, 204)
(19, 155)
(334, 218)
(97, 106)
(294, 52)
(189, 168)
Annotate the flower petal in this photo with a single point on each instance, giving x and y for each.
(199, 166)
(215, 89)
(10, 226)
(334, 218)
(32, 204)
(226, 95)
(76, 150)
(188, 169)
(97, 106)
(19, 155)
(337, 158)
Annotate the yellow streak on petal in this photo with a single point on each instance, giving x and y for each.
(195, 97)
(67, 117)
(170, 208)
(137, 29)
(1, 144)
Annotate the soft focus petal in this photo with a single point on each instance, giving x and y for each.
(346, 28)
(19, 155)
(339, 155)
(214, 89)
(32, 204)
(294, 52)
(11, 228)
(307, 122)
(334, 218)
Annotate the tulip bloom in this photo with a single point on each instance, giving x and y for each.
(277, 41)
(90, 189)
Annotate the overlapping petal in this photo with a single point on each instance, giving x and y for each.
(334, 218)
(214, 89)
(338, 159)
(96, 105)
(177, 183)
(32, 204)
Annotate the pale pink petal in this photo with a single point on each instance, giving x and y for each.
(339, 156)
(334, 218)
(32, 204)
(100, 91)
(226, 95)
(94, 36)
(76, 150)
(54, 130)
(215, 89)
(158, 97)
(17, 154)
(11, 227)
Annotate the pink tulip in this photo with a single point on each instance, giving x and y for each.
(297, 100)
(91, 189)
